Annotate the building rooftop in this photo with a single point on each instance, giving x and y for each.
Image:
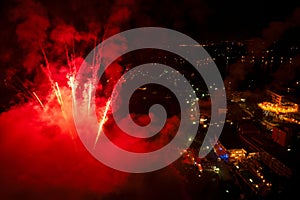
(263, 142)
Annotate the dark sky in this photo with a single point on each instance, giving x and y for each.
(219, 19)
(201, 19)
(235, 19)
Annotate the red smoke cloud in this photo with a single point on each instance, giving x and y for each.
(39, 156)
(133, 144)
(42, 158)
(40, 153)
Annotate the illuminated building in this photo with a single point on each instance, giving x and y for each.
(246, 167)
(281, 109)
(275, 98)
(236, 154)
(221, 151)
(270, 153)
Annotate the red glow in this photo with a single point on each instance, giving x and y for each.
(41, 154)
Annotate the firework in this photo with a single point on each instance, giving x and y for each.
(38, 99)
(103, 120)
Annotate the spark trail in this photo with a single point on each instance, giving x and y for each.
(38, 99)
(56, 89)
(72, 85)
(103, 120)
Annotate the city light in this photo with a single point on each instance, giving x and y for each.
(276, 108)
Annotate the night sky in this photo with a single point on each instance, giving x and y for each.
(210, 19)
(38, 158)
(204, 21)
